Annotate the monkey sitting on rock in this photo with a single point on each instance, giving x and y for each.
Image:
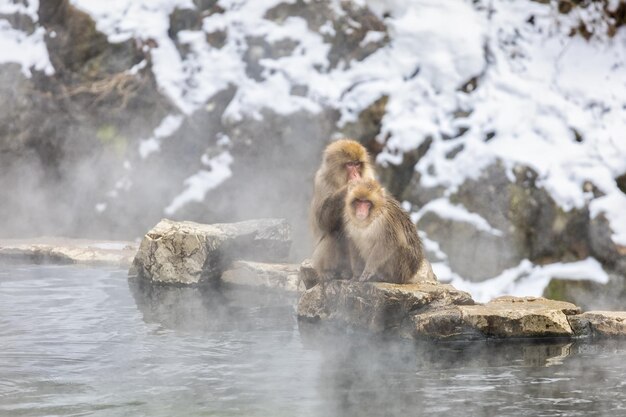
(384, 244)
(343, 161)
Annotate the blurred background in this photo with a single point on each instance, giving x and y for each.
(500, 124)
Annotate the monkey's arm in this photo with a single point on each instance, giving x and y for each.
(330, 213)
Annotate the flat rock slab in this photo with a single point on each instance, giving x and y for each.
(272, 276)
(190, 253)
(600, 324)
(375, 307)
(68, 251)
(504, 317)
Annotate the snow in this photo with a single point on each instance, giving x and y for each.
(167, 127)
(446, 210)
(525, 279)
(29, 51)
(202, 182)
(612, 206)
(537, 88)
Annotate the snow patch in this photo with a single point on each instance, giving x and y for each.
(167, 127)
(456, 212)
(29, 51)
(202, 182)
(525, 279)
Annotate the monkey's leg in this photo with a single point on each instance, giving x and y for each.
(328, 257)
(378, 256)
(356, 262)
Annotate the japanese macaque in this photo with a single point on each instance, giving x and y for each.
(344, 161)
(384, 245)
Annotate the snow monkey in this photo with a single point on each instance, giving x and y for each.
(384, 244)
(343, 161)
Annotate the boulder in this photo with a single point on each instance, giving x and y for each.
(68, 251)
(502, 318)
(307, 274)
(191, 253)
(375, 307)
(260, 275)
(599, 324)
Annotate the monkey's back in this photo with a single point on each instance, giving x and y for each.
(401, 237)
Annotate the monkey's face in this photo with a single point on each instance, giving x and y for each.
(347, 161)
(364, 201)
(361, 208)
(354, 170)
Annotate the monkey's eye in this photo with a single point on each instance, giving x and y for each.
(354, 164)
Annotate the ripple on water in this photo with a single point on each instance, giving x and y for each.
(88, 341)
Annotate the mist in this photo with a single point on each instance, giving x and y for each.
(115, 117)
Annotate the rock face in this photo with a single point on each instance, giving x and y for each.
(190, 253)
(248, 274)
(68, 251)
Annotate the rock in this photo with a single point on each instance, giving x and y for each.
(599, 324)
(191, 253)
(307, 274)
(68, 251)
(504, 317)
(529, 222)
(283, 277)
(507, 317)
(434, 312)
(603, 247)
(588, 294)
(375, 307)
(487, 255)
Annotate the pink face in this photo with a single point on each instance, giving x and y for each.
(353, 170)
(362, 209)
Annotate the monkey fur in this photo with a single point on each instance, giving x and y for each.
(343, 161)
(384, 244)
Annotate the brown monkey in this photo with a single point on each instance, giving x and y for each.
(382, 237)
(344, 161)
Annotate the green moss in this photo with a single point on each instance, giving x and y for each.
(556, 290)
(111, 139)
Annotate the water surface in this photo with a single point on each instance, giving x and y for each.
(78, 341)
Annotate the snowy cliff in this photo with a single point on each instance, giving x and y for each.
(499, 123)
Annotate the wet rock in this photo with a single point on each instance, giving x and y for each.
(259, 275)
(307, 274)
(504, 317)
(191, 253)
(68, 251)
(599, 324)
(375, 307)
(434, 312)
